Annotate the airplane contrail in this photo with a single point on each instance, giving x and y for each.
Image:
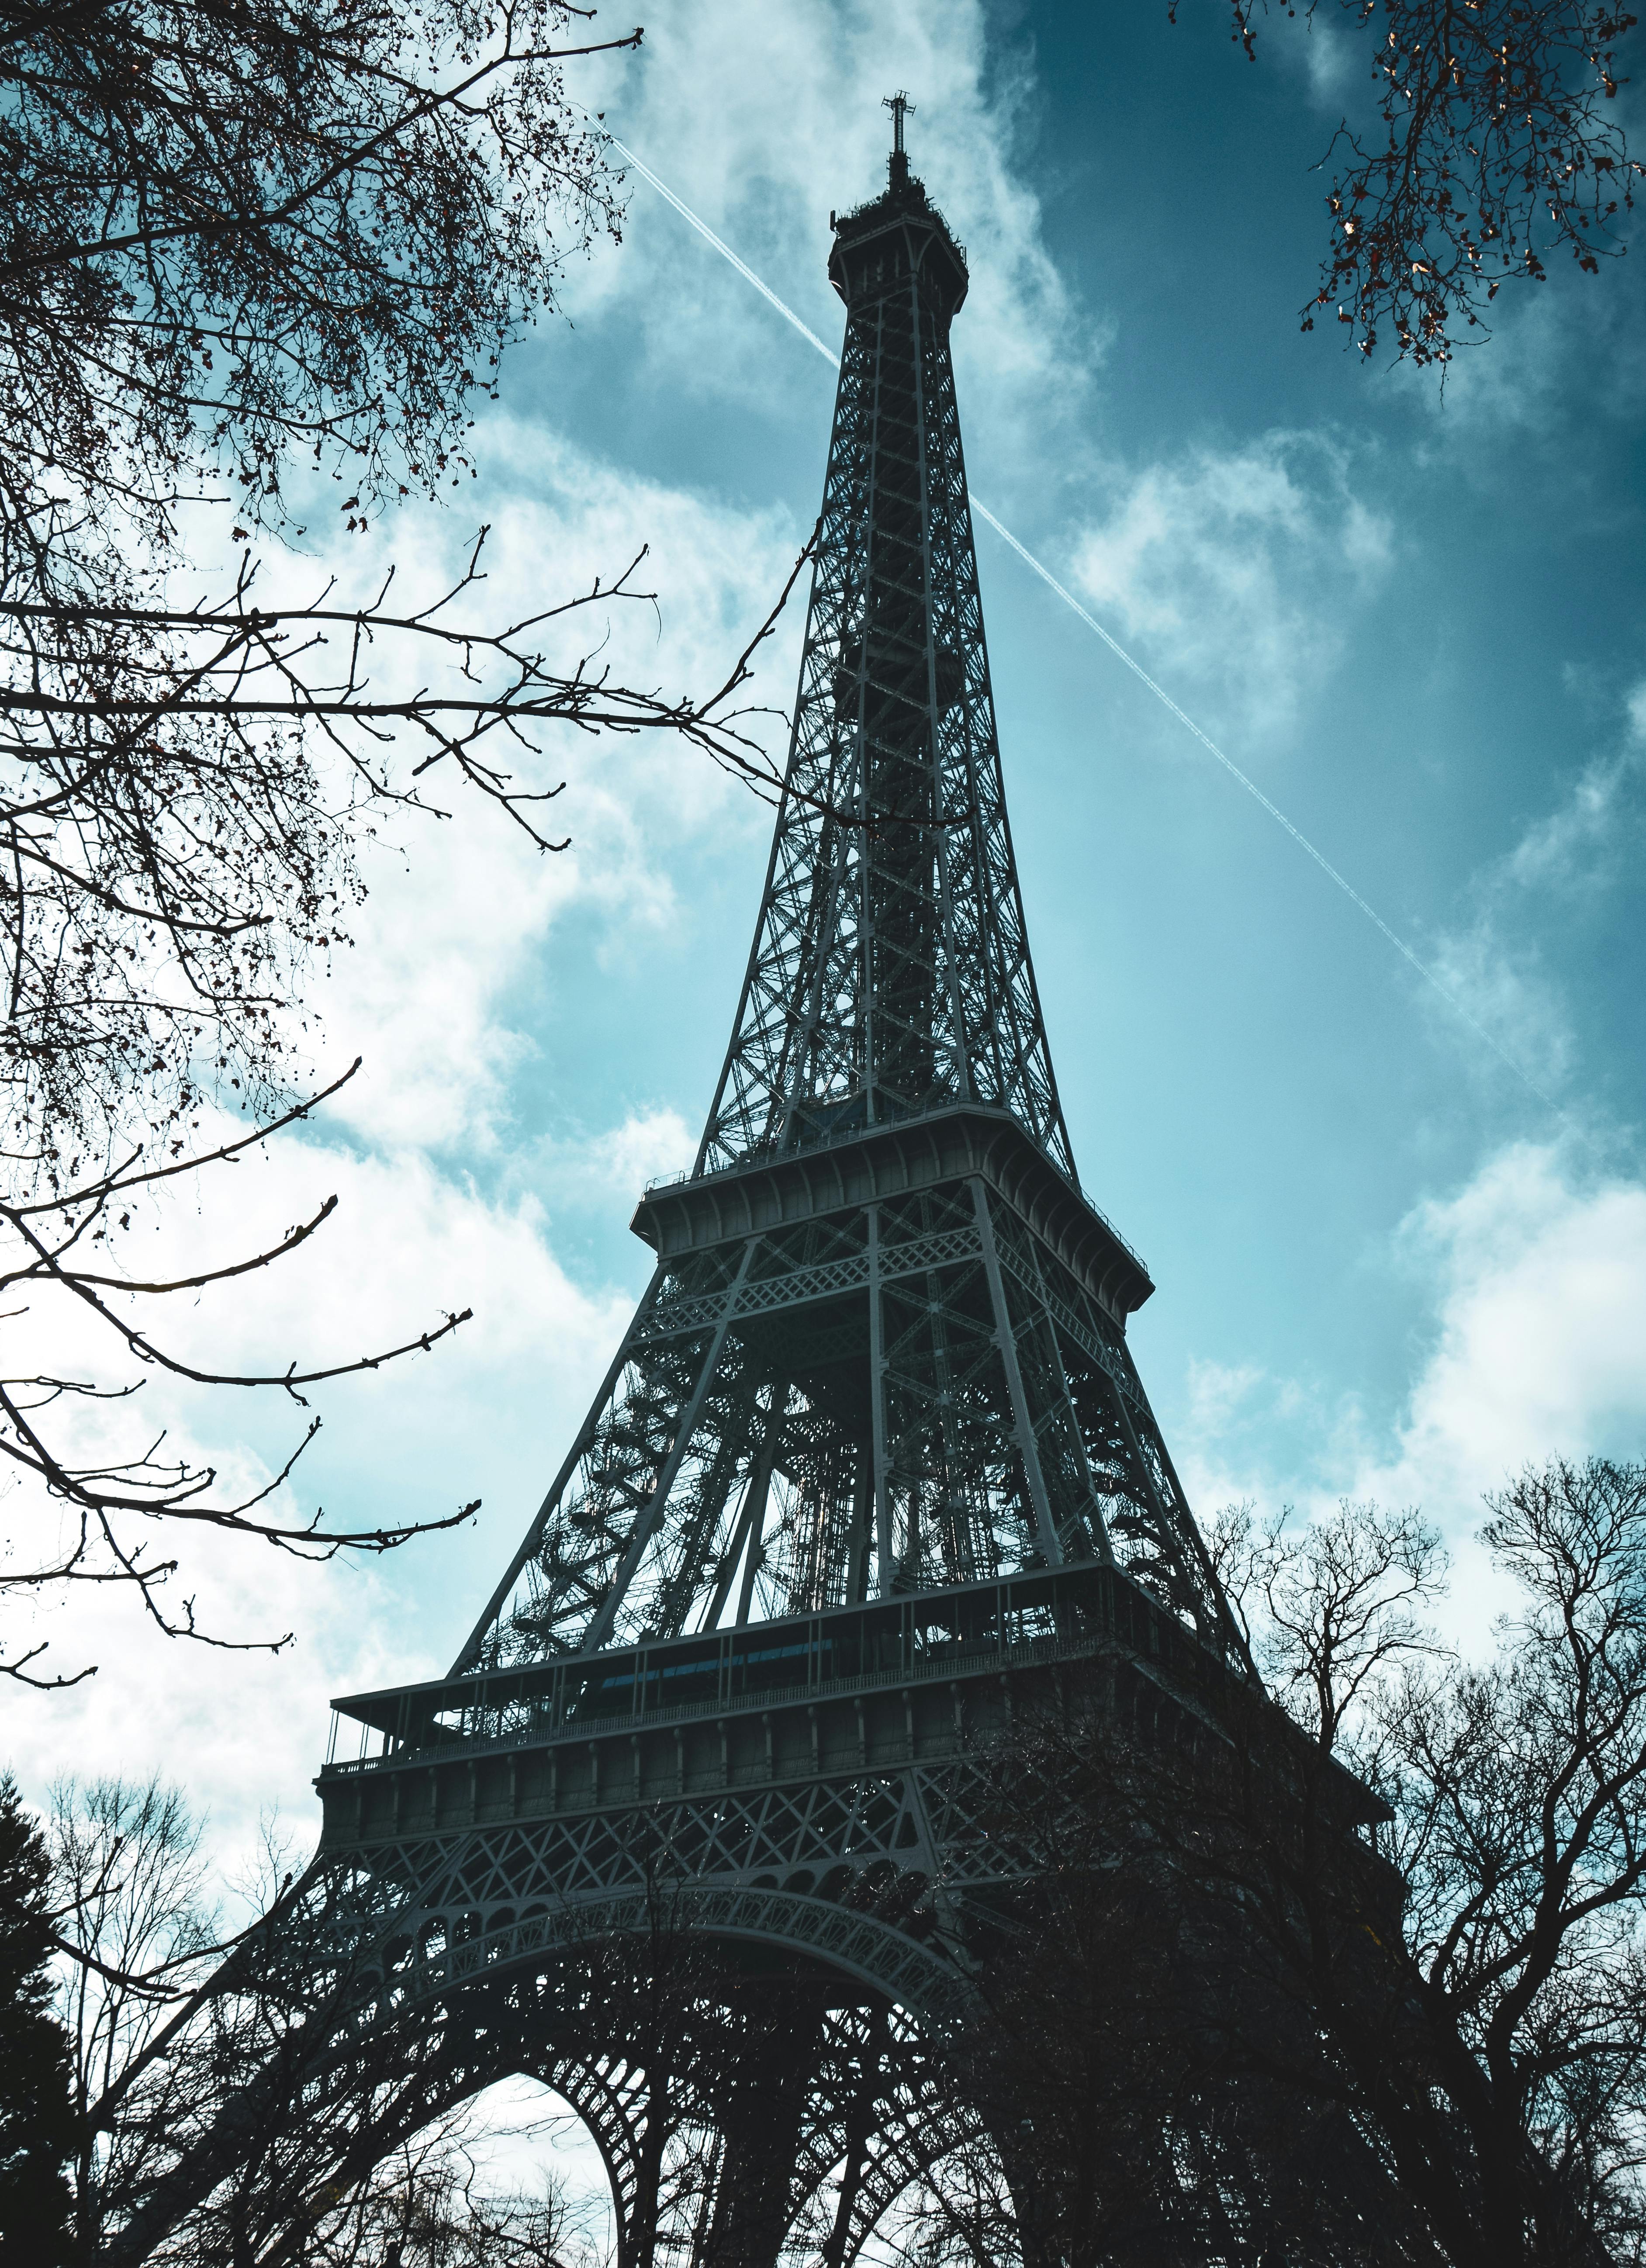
(694, 220)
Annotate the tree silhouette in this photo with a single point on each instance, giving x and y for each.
(37, 2126)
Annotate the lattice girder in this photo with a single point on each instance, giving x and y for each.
(880, 1398)
(494, 1861)
(890, 969)
(920, 1383)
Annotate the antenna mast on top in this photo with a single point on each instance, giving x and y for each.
(899, 106)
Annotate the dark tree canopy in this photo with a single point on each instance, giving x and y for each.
(237, 235)
(253, 224)
(37, 2125)
(1237, 2024)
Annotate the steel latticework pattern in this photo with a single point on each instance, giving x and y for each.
(872, 1464)
(885, 1347)
(890, 971)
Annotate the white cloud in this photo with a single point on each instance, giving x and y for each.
(1239, 570)
(1584, 840)
(1217, 1392)
(461, 909)
(614, 1166)
(1539, 1347)
(1532, 1277)
(1334, 58)
(1497, 971)
(1250, 1435)
(242, 1733)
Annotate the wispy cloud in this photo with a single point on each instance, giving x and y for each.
(1569, 860)
(1241, 566)
(1586, 842)
(1530, 1278)
(616, 1163)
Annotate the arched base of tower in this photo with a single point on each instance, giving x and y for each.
(748, 2104)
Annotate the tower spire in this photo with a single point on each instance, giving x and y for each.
(899, 106)
(890, 972)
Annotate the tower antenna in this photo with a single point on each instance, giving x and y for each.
(899, 106)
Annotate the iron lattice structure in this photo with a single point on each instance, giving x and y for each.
(885, 1347)
(872, 1463)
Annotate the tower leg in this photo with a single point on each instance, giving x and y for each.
(637, 2244)
(860, 2108)
(760, 2114)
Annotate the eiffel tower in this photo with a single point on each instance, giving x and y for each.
(871, 1463)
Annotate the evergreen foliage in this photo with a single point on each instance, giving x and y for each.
(36, 2117)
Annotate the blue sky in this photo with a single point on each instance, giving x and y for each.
(1383, 1265)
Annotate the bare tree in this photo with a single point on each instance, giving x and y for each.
(247, 251)
(1501, 149)
(289, 2096)
(424, 2207)
(59, 1247)
(1337, 1602)
(236, 235)
(135, 1928)
(1519, 1792)
(138, 1933)
(186, 788)
(231, 232)
(1223, 2026)
(60, 1233)
(172, 2024)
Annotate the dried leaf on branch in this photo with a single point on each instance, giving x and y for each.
(1499, 147)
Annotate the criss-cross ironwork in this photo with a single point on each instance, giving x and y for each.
(884, 1346)
(890, 973)
(871, 1466)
